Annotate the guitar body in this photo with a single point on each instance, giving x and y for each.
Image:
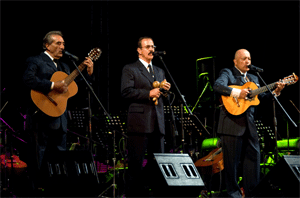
(238, 106)
(54, 104)
(212, 163)
(59, 107)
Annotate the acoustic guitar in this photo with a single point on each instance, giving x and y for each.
(212, 163)
(237, 106)
(54, 104)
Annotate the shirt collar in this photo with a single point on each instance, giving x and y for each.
(49, 55)
(244, 74)
(145, 63)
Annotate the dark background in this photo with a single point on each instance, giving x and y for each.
(187, 31)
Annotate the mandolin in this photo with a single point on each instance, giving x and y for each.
(237, 106)
(18, 165)
(54, 104)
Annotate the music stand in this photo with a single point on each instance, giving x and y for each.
(113, 125)
(191, 128)
(78, 124)
(78, 119)
(267, 142)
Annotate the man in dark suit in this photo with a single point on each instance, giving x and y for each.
(145, 123)
(238, 133)
(46, 133)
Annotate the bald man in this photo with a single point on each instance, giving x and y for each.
(238, 134)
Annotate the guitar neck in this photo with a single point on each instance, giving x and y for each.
(262, 89)
(74, 74)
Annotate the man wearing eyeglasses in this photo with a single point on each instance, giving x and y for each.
(145, 121)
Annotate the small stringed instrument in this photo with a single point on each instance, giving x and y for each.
(237, 106)
(212, 163)
(18, 165)
(54, 104)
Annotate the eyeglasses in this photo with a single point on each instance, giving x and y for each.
(149, 46)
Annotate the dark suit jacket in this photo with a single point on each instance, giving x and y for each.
(230, 124)
(37, 77)
(136, 83)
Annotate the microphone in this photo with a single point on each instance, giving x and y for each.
(158, 53)
(254, 68)
(71, 55)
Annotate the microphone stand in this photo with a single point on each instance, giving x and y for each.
(173, 124)
(275, 120)
(183, 101)
(90, 120)
(89, 110)
(90, 127)
(113, 185)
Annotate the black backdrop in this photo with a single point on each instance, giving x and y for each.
(185, 30)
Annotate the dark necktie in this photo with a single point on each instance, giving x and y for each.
(151, 71)
(57, 64)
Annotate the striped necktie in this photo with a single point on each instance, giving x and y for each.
(246, 78)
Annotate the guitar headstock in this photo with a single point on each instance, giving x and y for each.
(291, 79)
(95, 53)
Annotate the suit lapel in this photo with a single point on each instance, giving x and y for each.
(249, 77)
(243, 79)
(144, 71)
(238, 75)
(156, 73)
(49, 62)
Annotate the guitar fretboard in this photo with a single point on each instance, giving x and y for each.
(74, 74)
(262, 89)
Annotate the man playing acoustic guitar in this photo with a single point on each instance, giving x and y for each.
(46, 133)
(238, 132)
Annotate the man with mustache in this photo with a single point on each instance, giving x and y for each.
(46, 134)
(145, 125)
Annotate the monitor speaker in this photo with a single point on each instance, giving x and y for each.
(175, 175)
(69, 173)
(282, 180)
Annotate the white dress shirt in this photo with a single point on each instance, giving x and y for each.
(52, 85)
(146, 64)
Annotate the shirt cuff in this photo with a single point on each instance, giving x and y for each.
(235, 92)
